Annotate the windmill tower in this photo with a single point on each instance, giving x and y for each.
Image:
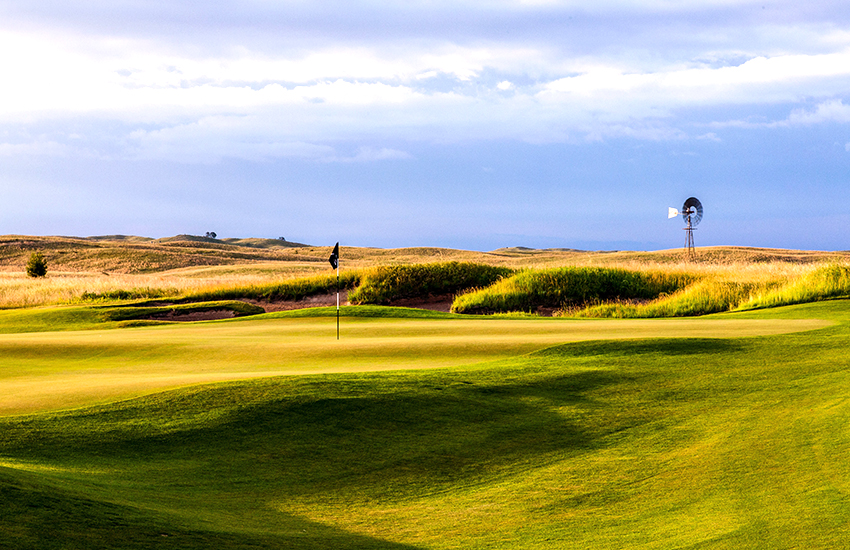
(692, 214)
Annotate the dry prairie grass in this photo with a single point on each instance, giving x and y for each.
(17, 290)
(187, 265)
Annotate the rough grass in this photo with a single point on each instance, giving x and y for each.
(291, 289)
(736, 290)
(185, 268)
(144, 311)
(383, 284)
(701, 298)
(567, 286)
(376, 285)
(823, 283)
(708, 443)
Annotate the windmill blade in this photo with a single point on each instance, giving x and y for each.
(692, 208)
(672, 212)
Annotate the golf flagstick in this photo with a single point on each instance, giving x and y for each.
(334, 260)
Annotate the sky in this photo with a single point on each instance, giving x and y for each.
(448, 123)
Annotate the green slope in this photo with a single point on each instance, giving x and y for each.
(56, 369)
(676, 442)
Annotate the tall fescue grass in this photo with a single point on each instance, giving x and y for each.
(375, 285)
(633, 289)
(291, 289)
(383, 284)
(569, 286)
(17, 290)
(742, 288)
(700, 298)
(822, 283)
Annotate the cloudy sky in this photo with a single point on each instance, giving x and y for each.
(478, 125)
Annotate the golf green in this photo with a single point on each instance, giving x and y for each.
(66, 369)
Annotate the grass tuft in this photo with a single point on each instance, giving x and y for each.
(292, 289)
(383, 284)
(823, 283)
(529, 290)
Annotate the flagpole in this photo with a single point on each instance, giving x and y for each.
(334, 260)
(337, 301)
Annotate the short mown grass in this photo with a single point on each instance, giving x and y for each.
(671, 442)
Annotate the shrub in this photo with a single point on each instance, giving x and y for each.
(37, 265)
(293, 289)
(127, 294)
(568, 287)
(386, 283)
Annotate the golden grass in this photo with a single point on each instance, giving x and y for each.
(17, 290)
(173, 267)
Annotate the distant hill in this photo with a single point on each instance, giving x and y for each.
(250, 242)
(133, 254)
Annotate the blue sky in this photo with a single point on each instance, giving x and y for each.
(477, 125)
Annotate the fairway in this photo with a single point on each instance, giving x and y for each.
(424, 433)
(57, 370)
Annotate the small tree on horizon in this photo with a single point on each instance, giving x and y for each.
(37, 265)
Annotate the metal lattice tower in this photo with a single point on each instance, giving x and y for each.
(692, 214)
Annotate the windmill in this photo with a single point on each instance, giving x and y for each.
(692, 214)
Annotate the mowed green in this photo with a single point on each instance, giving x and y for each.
(56, 370)
(722, 432)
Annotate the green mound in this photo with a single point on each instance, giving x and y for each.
(145, 311)
(52, 319)
(366, 311)
(643, 443)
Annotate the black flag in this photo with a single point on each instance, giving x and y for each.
(334, 259)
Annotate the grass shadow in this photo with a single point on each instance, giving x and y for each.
(37, 517)
(340, 439)
(645, 346)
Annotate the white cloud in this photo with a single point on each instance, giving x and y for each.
(830, 111)
(370, 154)
(215, 138)
(711, 136)
(758, 80)
(36, 148)
(279, 100)
(211, 139)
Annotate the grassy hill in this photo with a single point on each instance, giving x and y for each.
(120, 428)
(449, 432)
(187, 265)
(123, 254)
